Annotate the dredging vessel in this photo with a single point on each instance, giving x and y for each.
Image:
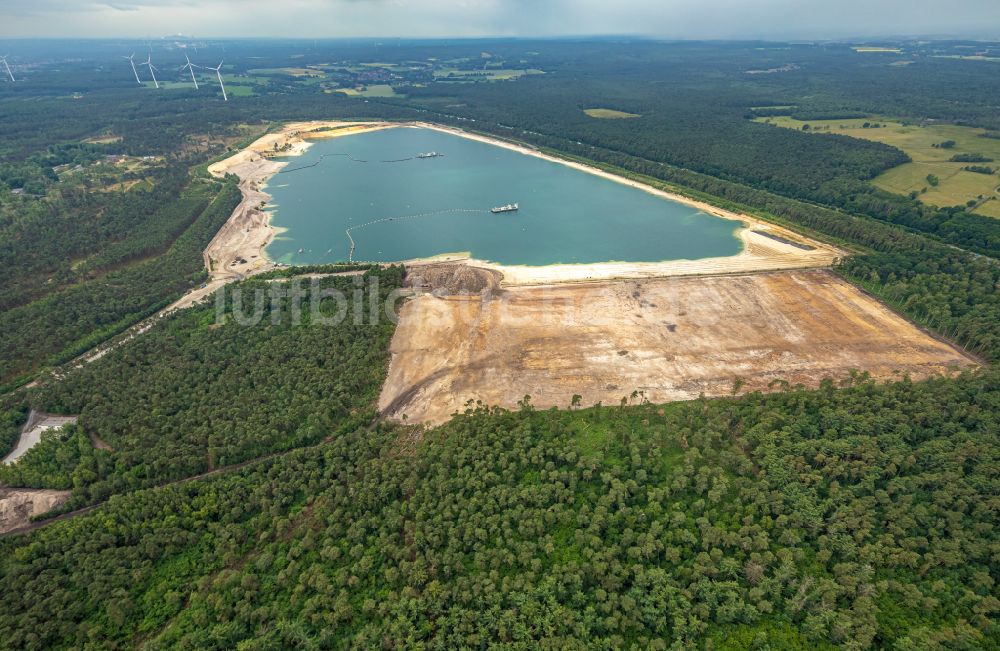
(510, 207)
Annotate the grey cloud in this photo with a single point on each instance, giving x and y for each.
(667, 18)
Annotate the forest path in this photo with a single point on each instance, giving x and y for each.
(210, 473)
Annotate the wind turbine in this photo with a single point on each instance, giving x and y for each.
(218, 74)
(190, 67)
(9, 73)
(149, 63)
(131, 59)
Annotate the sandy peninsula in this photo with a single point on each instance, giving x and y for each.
(238, 250)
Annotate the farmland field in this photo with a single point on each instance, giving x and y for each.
(492, 74)
(294, 72)
(956, 186)
(375, 90)
(990, 208)
(609, 114)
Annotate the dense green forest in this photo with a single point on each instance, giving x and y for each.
(49, 246)
(68, 322)
(13, 414)
(857, 516)
(838, 518)
(192, 395)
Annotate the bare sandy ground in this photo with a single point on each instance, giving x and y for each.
(31, 434)
(671, 338)
(760, 253)
(19, 505)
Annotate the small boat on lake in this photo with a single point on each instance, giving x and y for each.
(510, 207)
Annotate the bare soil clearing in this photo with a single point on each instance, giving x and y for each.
(31, 434)
(19, 505)
(671, 338)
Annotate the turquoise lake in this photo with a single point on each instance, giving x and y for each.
(433, 206)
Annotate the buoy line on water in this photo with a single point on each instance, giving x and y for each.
(350, 254)
(349, 157)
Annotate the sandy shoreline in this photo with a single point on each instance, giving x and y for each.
(238, 250)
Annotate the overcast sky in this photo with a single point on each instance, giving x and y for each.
(468, 18)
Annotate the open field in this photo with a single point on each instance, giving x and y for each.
(956, 187)
(294, 72)
(238, 90)
(375, 90)
(491, 74)
(106, 139)
(872, 49)
(989, 208)
(609, 114)
(671, 339)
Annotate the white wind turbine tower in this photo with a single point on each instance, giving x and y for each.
(131, 59)
(190, 67)
(9, 73)
(218, 74)
(148, 63)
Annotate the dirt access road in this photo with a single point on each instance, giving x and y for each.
(672, 338)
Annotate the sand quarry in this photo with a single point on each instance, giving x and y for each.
(670, 338)
(672, 330)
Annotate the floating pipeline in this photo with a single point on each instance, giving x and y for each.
(352, 159)
(350, 254)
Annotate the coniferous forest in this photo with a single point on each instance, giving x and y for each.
(233, 486)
